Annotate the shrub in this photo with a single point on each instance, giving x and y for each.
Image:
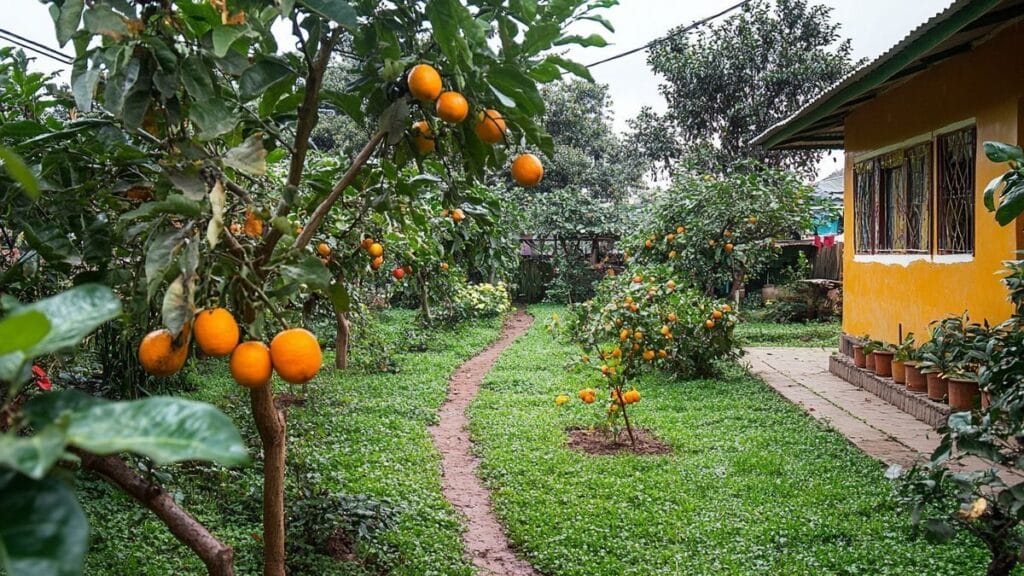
(479, 301)
(687, 332)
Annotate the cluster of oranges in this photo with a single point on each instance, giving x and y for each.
(717, 315)
(425, 85)
(589, 396)
(457, 215)
(375, 250)
(293, 353)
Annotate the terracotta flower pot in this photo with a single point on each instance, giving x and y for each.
(869, 361)
(883, 363)
(938, 387)
(859, 360)
(899, 372)
(963, 394)
(916, 381)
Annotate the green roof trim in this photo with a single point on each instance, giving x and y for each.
(882, 70)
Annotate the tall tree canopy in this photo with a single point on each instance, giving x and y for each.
(731, 81)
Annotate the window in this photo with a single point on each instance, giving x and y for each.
(956, 191)
(896, 193)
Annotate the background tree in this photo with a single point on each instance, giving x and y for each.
(732, 80)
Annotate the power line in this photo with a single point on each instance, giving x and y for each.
(34, 46)
(683, 30)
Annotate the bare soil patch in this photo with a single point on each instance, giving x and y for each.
(599, 443)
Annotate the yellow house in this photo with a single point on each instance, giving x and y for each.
(919, 243)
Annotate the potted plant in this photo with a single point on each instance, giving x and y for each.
(904, 353)
(869, 353)
(932, 363)
(859, 358)
(883, 354)
(963, 387)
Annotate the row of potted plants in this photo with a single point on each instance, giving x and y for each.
(946, 367)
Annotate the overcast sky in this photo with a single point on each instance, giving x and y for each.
(874, 26)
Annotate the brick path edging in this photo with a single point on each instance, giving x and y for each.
(916, 404)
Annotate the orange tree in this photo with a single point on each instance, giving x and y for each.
(715, 231)
(179, 106)
(646, 321)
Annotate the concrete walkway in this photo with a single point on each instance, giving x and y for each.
(878, 428)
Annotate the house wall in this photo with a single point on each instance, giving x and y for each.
(882, 292)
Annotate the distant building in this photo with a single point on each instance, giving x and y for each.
(831, 188)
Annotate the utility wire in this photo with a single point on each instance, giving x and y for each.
(34, 46)
(681, 31)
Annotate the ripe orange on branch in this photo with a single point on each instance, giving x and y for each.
(422, 137)
(458, 215)
(216, 332)
(323, 249)
(161, 354)
(490, 126)
(452, 107)
(376, 250)
(251, 365)
(424, 82)
(527, 170)
(253, 224)
(296, 356)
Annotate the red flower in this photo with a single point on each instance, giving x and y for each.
(42, 380)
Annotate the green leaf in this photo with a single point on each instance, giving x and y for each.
(164, 429)
(445, 17)
(43, 531)
(1000, 152)
(20, 173)
(101, 19)
(1011, 204)
(593, 40)
(68, 19)
(519, 87)
(173, 204)
(188, 181)
(938, 531)
(393, 121)
(51, 242)
(990, 191)
(600, 20)
(195, 76)
(572, 67)
(21, 129)
(83, 87)
(340, 298)
(160, 254)
(224, 37)
(44, 409)
(263, 75)
(340, 11)
(21, 331)
(34, 455)
(214, 118)
(249, 157)
(309, 270)
(73, 315)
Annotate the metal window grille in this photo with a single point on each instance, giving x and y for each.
(955, 192)
(865, 179)
(918, 204)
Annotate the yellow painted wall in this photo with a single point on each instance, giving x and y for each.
(988, 86)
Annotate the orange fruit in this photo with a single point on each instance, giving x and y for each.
(638, 279)
(366, 243)
(662, 354)
(649, 244)
(253, 224)
(216, 332)
(728, 248)
(680, 230)
(458, 215)
(672, 317)
(709, 324)
(323, 249)
(398, 273)
(377, 262)
(671, 285)
(585, 359)
(717, 314)
(424, 82)
(624, 335)
(444, 266)
(235, 228)
(376, 250)
(672, 254)
(649, 355)
(670, 238)
(634, 307)
(250, 364)
(588, 395)
(613, 408)
(631, 396)
(726, 308)
(296, 355)
(665, 329)
(452, 107)
(727, 233)
(752, 220)
(711, 242)
(161, 354)
(422, 137)
(527, 170)
(617, 353)
(490, 126)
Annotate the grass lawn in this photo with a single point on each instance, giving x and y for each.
(754, 486)
(358, 433)
(810, 335)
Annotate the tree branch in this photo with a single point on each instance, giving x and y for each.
(218, 557)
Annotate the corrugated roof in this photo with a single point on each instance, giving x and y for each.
(831, 185)
(955, 30)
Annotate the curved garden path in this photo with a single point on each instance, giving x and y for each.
(484, 538)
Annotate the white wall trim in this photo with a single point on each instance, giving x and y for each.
(908, 259)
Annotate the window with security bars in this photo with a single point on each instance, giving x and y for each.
(955, 192)
(892, 202)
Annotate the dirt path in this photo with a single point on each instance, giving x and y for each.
(484, 538)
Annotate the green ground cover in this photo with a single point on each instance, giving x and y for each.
(357, 433)
(809, 335)
(754, 485)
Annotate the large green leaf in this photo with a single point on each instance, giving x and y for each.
(33, 455)
(340, 298)
(161, 428)
(43, 531)
(518, 86)
(73, 315)
(22, 331)
(101, 19)
(51, 242)
(1011, 203)
(160, 254)
(19, 172)
(445, 17)
(262, 75)
(339, 11)
(173, 204)
(1000, 152)
(249, 157)
(224, 36)
(214, 118)
(309, 270)
(68, 19)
